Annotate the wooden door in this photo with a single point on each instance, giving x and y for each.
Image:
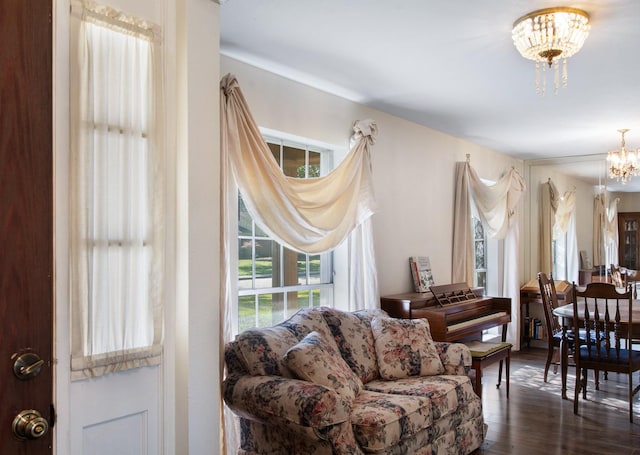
(26, 220)
(629, 239)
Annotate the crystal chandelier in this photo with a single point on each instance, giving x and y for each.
(548, 36)
(623, 164)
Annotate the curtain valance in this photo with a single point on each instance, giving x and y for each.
(497, 202)
(309, 215)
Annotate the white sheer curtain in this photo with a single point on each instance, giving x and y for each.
(308, 215)
(565, 224)
(117, 192)
(599, 220)
(497, 208)
(610, 237)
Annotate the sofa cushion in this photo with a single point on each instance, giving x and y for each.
(305, 321)
(446, 393)
(381, 421)
(263, 349)
(353, 336)
(316, 359)
(404, 348)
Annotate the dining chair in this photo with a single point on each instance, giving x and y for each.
(606, 317)
(553, 326)
(554, 330)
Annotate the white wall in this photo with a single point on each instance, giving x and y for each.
(413, 167)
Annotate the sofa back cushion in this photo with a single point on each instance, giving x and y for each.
(404, 348)
(316, 359)
(352, 333)
(263, 349)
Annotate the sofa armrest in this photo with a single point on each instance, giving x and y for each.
(275, 399)
(456, 357)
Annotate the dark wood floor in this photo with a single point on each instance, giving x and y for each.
(535, 420)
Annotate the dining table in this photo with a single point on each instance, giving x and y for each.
(565, 312)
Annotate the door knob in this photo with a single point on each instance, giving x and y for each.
(27, 365)
(29, 424)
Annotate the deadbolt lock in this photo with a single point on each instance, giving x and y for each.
(29, 424)
(27, 365)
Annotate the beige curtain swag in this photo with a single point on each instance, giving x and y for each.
(496, 204)
(307, 215)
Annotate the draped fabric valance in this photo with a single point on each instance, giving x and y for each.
(496, 203)
(566, 206)
(308, 215)
(557, 218)
(605, 231)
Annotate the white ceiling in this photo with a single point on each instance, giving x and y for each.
(452, 66)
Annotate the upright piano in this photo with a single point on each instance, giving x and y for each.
(455, 312)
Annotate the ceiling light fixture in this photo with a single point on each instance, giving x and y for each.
(623, 163)
(549, 35)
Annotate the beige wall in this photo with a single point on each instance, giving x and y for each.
(413, 167)
(629, 202)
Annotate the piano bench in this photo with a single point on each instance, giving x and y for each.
(485, 354)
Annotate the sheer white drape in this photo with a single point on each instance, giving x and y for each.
(565, 224)
(308, 215)
(599, 220)
(497, 208)
(117, 192)
(610, 233)
(611, 240)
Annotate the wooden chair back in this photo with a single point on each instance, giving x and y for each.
(549, 303)
(600, 318)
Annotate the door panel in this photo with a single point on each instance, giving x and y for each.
(26, 220)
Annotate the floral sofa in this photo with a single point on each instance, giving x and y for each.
(333, 382)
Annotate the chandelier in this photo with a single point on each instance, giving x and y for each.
(623, 163)
(548, 36)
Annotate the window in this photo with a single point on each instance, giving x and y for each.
(274, 281)
(117, 195)
(479, 254)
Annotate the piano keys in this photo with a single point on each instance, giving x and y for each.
(455, 312)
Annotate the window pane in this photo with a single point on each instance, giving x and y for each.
(314, 164)
(478, 229)
(314, 269)
(270, 309)
(479, 255)
(266, 251)
(246, 312)
(481, 279)
(260, 232)
(245, 264)
(275, 150)
(244, 219)
(294, 162)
